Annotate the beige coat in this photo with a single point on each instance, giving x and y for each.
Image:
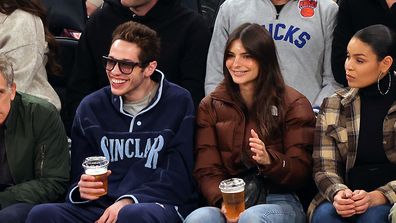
(22, 39)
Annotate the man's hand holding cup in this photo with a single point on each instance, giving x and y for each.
(93, 183)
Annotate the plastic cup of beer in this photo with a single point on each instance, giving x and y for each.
(97, 166)
(233, 191)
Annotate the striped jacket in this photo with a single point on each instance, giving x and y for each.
(335, 144)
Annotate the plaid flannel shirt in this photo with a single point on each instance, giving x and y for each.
(335, 144)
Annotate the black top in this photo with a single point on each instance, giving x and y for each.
(279, 8)
(374, 107)
(5, 174)
(354, 15)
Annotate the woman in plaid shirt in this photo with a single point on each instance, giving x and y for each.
(354, 150)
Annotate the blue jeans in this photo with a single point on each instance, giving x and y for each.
(279, 208)
(16, 213)
(326, 213)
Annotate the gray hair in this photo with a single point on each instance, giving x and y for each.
(6, 70)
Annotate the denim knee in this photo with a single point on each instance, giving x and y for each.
(375, 214)
(326, 212)
(205, 215)
(271, 213)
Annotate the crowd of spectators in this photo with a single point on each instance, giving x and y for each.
(286, 91)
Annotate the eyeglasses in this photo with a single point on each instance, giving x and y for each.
(126, 67)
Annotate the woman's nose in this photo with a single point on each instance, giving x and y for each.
(348, 64)
(236, 61)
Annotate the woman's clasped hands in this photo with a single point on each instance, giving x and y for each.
(348, 203)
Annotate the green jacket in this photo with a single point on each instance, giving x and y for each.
(37, 152)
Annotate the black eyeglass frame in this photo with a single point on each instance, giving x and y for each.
(121, 64)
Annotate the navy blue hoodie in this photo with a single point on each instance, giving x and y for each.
(150, 154)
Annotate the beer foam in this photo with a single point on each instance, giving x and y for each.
(95, 171)
(233, 190)
(233, 185)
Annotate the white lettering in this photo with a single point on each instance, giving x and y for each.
(119, 149)
(128, 152)
(152, 158)
(104, 143)
(116, 149)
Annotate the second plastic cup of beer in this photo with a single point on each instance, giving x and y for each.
(97, 166)
(233, 191)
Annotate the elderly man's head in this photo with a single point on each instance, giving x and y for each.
(7, 87)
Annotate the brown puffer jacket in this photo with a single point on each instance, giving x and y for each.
(222, 136)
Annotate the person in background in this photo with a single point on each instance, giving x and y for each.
(25, 39)
(253, 123)
(303, 33)
(92, 6)
(184, 41)
(145, 129)
(354, 150)
(34, 154)
(353, 16)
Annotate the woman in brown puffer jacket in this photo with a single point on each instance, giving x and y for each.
(253, 122)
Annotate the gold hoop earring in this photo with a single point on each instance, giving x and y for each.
(389, 83)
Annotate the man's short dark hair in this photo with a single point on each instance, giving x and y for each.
(144, 37)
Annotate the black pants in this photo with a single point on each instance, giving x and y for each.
(16, 213)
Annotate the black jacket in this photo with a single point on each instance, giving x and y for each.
(354, 15)
(184, 38)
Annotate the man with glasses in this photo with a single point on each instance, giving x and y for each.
(143, 125)
(34, 154)
(184, 37)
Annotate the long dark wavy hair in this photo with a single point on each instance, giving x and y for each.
(268, 107)
(36, 8)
